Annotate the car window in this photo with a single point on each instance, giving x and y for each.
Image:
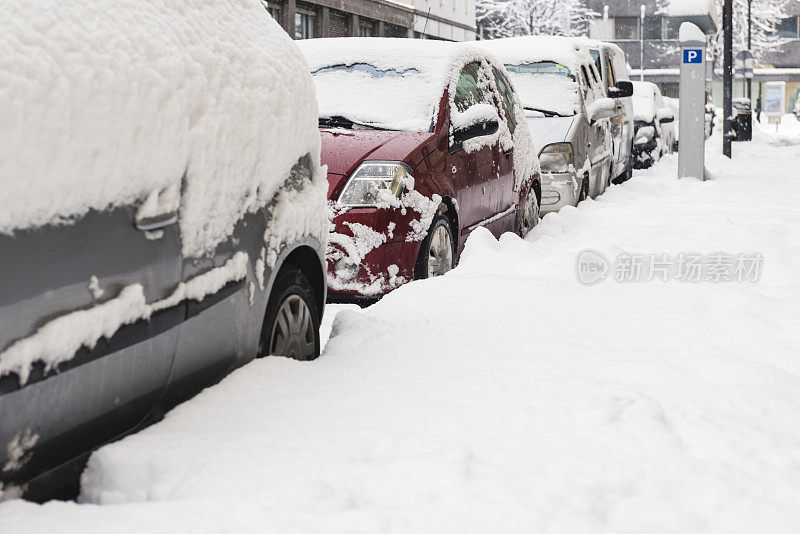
(595, 76)
(596, 58)
(507, 96)
(612, 77)
(468, 90)
(586, 88)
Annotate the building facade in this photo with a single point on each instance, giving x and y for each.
(452, 20)
(652, 43)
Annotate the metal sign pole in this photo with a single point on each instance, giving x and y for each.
(727, 77)
(691, 155)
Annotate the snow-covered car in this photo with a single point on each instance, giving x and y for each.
(567, 112)
(611, 64)
(162, 216)
(424, 142)
(654, 125)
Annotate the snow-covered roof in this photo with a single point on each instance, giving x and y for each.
(105, 102)
(404, 90)
(529, 49)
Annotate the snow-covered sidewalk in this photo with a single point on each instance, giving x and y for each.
(507, 396)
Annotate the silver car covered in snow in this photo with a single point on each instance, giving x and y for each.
(567, 111)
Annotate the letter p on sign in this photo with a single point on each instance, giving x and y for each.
(693, 55)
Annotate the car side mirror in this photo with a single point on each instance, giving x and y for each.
(602, 108)
(665, 116)
(622, 89)
(476, 121)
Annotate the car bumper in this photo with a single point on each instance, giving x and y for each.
(368, 263)
(644, 154)
(559, 190)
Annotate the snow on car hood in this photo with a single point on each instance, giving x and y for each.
(546, 130)
(106, 102)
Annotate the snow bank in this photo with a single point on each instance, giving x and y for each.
(109, 102)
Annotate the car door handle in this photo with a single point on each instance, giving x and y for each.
(156, 222)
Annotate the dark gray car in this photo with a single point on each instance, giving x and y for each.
(115, 313)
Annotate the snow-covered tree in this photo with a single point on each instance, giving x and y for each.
(766, 15)
(507, 18)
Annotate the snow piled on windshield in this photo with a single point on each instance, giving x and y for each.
(532, 49)
(109, 102)
(547, 92)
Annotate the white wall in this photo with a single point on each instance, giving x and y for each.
(460, 11)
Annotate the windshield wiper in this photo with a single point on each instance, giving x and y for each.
(547, 112)
(337, 121)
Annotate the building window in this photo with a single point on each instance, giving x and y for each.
(366, 28)
(787, 28)
(652, 27)
(626, 28)
(672, 28)
(304, 25)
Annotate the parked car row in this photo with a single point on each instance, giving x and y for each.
(127, 288)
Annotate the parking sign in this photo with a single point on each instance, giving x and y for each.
(692, 55)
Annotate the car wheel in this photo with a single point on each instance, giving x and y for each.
(292, 322)
(584, 194)
(530, 213)
(437, 252)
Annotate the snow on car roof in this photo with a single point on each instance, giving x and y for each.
(106, 102)
(644, 100)
(529, 49)
(391, 83)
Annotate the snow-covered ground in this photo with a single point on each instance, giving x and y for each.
(507, 396)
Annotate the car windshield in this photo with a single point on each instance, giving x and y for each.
(546, 87)
(363, 96)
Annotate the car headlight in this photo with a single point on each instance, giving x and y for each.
(557, 158)
(373, 180)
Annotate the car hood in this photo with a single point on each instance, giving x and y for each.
(546, 130)
(343, 150)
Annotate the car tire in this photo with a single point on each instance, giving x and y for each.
(529, 217)
(584, 194)
(435, 257)
(291, 327)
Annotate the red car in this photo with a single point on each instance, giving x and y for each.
(424, 142)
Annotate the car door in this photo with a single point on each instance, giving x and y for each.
(504, 158)
(595, 139)
(76, 295)
(473, 173)
(617, 122)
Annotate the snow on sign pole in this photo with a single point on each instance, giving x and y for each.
(691, 153)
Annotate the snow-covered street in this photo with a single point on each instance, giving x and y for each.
(508, 396)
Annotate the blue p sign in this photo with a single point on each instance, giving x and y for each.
(693, 55)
